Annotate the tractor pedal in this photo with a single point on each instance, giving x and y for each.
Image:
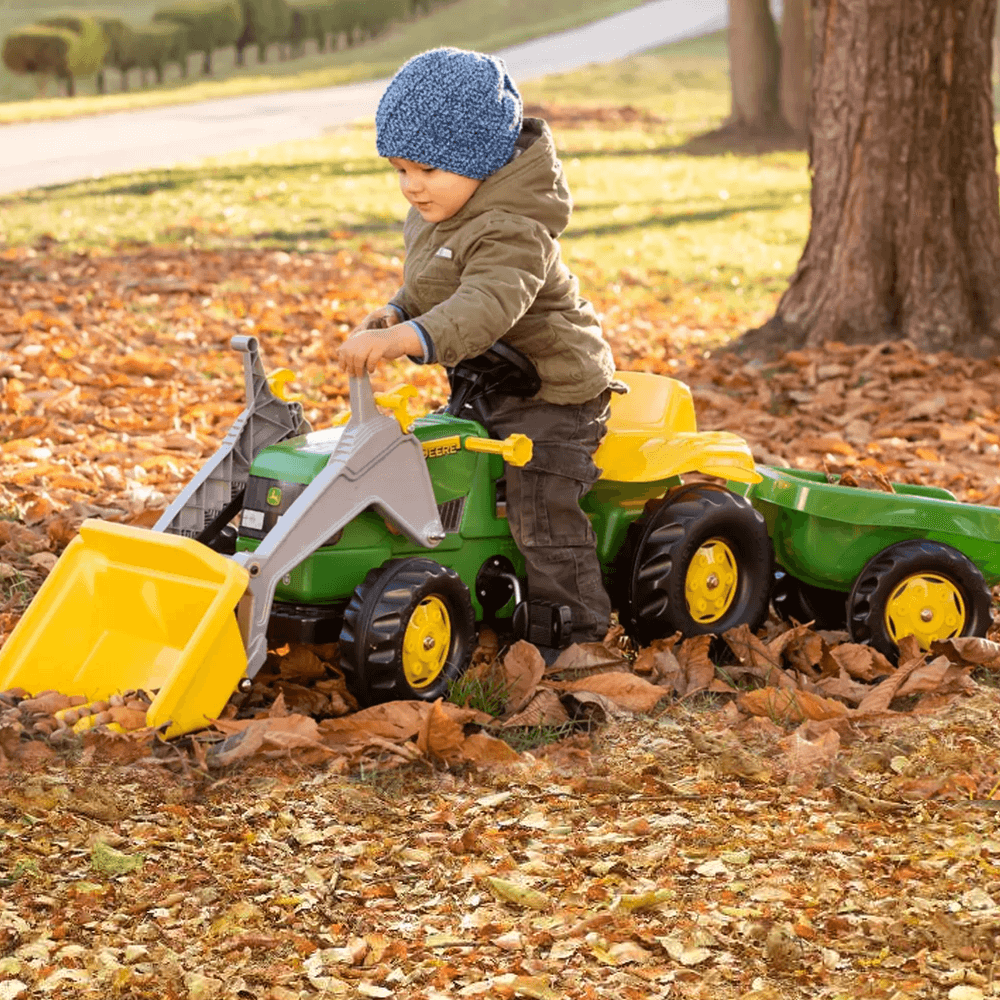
(543, 623)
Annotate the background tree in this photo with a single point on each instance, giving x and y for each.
(793, 85)
(754, 65)
(768, 72)
(905, 236)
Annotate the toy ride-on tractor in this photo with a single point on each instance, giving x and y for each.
(388, 534)
(882, 565)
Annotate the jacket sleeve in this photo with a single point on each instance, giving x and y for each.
(502, 273)
(399, 302)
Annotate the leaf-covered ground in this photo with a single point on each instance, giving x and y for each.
(804, 820)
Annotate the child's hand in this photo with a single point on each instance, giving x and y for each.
(364, 349)
(380, 319)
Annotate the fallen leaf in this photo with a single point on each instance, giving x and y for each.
(786, 707)
(544, 709)
(441, 735)
(625, 690)
(523, 668)
(586, 657)
(519, 895)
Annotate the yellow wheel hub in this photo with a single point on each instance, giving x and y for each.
(927, 606)
(710, 584)
(426, 642)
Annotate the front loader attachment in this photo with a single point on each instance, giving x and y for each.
(127, 608)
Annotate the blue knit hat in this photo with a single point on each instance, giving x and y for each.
(455, 110)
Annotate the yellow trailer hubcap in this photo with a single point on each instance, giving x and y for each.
(710, 584)
(426, 642)
(927, 606)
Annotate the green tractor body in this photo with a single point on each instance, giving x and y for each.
(389, 535)
(468, 490)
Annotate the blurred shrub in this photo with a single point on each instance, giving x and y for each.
(66, 47)
(264, 22)
(210, 24)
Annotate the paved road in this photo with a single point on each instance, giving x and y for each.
(43, 153)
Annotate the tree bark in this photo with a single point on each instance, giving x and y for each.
(754, 58)
(794, 82)
(905, 236)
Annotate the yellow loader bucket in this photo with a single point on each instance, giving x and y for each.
(127, 608)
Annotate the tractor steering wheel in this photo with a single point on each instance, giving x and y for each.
(500, 371)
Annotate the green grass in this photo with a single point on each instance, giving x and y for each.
(481, 24)
(699, 244)
(485, 694)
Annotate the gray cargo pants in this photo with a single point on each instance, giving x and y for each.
(543, 503)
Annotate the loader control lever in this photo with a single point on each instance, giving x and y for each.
(516, 449)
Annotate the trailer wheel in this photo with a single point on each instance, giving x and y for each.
(794, 598)
(920, 588)
(408, 632)
(701, 565)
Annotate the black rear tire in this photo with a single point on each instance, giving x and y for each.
(914, 578)
(664, 592)
(409, 631)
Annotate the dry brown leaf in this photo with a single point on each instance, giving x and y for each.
(804, 757)
(736, 762)
(970, 649)
(441, 735)
(862, 662)
(523, 668)
(756, 659)
(880, 697)
(487, 751)
(692, 655)
(301, 664)
(278, 707)
(625, 690)
(940, 676)
(784, 706)
(251, 736)
(544, 709)
(302, 700)
(393, 721)
(844, 687)
(658, 661)
(591, 707)
(586, 657)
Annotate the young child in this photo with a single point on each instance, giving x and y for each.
(489, 201)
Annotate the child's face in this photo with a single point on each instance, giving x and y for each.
(436, 194)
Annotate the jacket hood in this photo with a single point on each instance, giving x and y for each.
(532, 184)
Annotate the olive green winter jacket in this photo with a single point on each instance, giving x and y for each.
(494, 271)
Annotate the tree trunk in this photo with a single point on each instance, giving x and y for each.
(794, 85)
(754, 58)
(206, 66)
(905, 237)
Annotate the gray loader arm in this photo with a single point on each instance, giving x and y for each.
(375, 464)
(220, 482)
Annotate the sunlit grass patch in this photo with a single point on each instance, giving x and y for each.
(677, 251)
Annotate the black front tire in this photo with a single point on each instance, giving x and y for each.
(378, 661)
(666, 543)
(958, 601)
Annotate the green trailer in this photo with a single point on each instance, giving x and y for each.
(883, 565)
